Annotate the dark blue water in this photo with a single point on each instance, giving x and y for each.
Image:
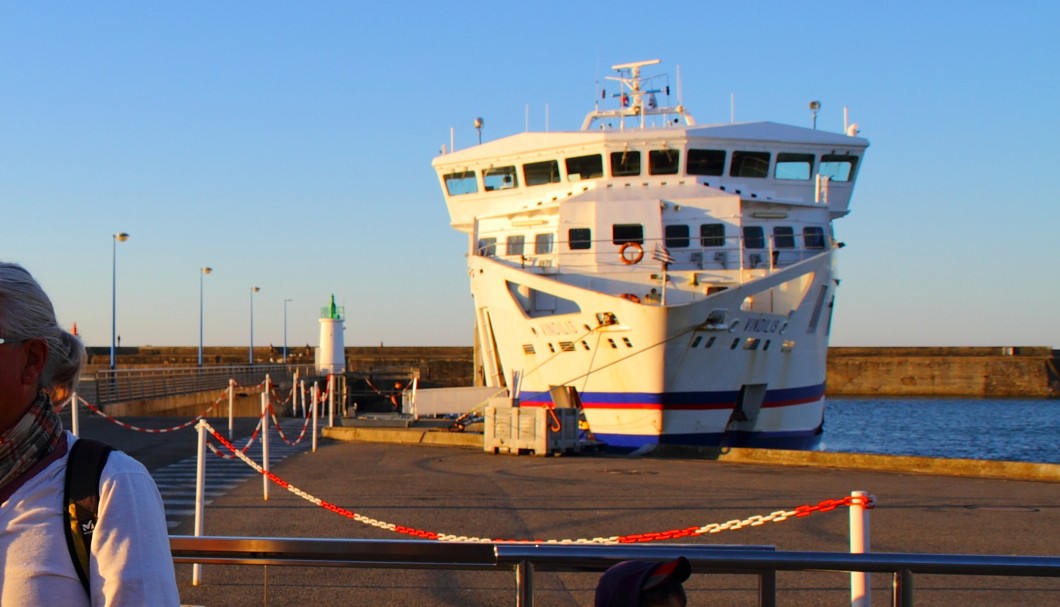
(994, 429)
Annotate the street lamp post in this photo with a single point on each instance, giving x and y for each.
(253, 290)
(285, 330)
(203, 272)
(119, 237)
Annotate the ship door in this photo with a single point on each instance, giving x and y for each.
(748, 404)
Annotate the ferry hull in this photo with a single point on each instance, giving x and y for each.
(714, 372)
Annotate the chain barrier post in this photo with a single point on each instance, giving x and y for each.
(316, 396)
(231, 401)
(331, 400)
(200, 483)
(301, 392)
(294, 393)
(265, 442)
(75, 426)
(860, 590)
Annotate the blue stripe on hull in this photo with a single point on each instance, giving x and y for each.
(759, 440)
(679, 400)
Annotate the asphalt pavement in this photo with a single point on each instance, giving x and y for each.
(464, 491)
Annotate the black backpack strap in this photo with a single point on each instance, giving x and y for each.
(84, 466)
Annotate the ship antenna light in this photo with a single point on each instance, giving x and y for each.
(478, 127)
(814, 106)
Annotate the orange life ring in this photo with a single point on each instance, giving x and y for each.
(638, 253)
(630, 297)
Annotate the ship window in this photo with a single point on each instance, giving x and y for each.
(515, 245)
(754, 237)
(500, 178)
(543, 244)
(695, 342)
(706, 162)
(461, 183)
(624, 164)
(539, 173)
(793, 166)
(838, 168)
(612, 342)
(750, 164)
(677, 236)
(487, 247)
(813, 237)
(580, 238)
(783, 237)
(622, 233)
(663, 162)
(712, 235)
(585, 167)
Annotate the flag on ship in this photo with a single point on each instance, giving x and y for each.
(661, 254)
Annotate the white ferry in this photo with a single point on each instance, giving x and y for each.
(677, 278)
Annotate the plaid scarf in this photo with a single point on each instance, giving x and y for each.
(30, 440)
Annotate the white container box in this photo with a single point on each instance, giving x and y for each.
(533, 430)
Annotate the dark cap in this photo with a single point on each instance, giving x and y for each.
(621, 585)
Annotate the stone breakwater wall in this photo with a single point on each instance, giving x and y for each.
(1000, 372)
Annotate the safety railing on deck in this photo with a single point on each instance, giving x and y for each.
(524, 559)
(118, 385)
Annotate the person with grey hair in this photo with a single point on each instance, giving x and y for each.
(130, 560)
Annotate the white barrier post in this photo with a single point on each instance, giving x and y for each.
(231, 401)
(331, 400)
(301, 392)
(294, 394)
(200, 484)
(75, 425)
(860, 590)
(316, 396)
(265, 442)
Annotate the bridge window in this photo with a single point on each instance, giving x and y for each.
(677, 236)
(712, 235)
(663, 162)
(783, 237)
(580, 238)
(750, 164)
(461, 183)
(627, 232)
(585, 167)
(515, 245)
(624, 164)
(813, 237)
(540, 173)
(500, 178)
(754, 237)
(543, 244)
(837, 167)
(793, 166)
(706, 162)
(487, 247)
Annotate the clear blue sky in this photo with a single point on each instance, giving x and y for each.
(288, 146)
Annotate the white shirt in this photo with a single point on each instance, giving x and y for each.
(131, 563)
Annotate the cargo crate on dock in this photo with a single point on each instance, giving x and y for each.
(531, 430)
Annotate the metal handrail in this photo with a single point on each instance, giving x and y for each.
(117, 385)
(525, 559)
